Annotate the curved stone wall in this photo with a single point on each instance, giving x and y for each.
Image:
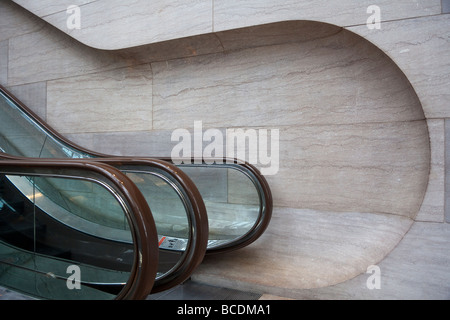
(354, 148)
(355, 156)
(351, 126)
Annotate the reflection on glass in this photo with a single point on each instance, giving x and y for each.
(169, 213)
(231, 199)
(52, 259)
(232, 196)
(21, 136)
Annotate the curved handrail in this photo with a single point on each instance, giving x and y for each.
(264, 193)
(198, 236)
(142, 226)
(266, 204)
(198, 220)
(196, 211)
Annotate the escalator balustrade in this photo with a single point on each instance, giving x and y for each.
(100, 243)
(237, 197)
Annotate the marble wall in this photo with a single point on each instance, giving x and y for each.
(361, 112)
(175, 19)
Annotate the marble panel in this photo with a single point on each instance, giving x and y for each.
(110, 101)
(275, 33)
(44, 8)
(239, 13)
(417, 268)
(378, 167)
(14, 21)
(153, 21)
(173, 49)
(340, 79)
(212, 183)
(351, 127)
(34, 96)
(421, 48)
(102, 22)
(154, 143)
(4, 62)
(307, 249)
(54, 55)
(445, 6)
(432, 208)
(447, 170)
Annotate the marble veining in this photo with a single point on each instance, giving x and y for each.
(424, 59)
(359, 158)
(316, 249)
(327, 81)
(157, 20)
(70, 108)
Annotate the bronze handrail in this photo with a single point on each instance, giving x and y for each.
(196, 249)
(141, 221)
(266, 195)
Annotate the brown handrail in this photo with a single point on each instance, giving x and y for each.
(252, 235)
(45, 125)
(198, 243)
(142, 225)
(258, 229)
(196, 250)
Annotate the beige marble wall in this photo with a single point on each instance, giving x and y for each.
(4, 62)
(432, 208)
(47, 7)
(447, 172)
(361, 129)
(101, 22)
(126, 101)
(153, 21)
(239, 13)
(421, 49)
(332, 80)
(417, 268)
(315, 249)
(16, 22)
(54, 56)
(342, 128)
(33, 95)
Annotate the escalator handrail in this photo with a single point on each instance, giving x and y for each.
(142, 225)
(265, 194)
(197, 249)
(263, 186)
(198, 219)
(47, 127)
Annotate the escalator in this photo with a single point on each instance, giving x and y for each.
(176, 204)
(191, 218)
(237, 197)
(50, 259)
(182, 230)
